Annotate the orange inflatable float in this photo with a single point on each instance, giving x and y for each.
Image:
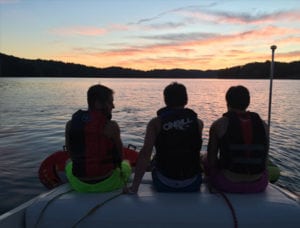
(52, 168)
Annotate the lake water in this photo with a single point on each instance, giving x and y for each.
(34, 112)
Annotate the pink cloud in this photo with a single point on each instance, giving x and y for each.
(188, 48)
(285, 16)
(119, 27)
(211, 52)
(289, 40)
(83, 31)
(293, 54)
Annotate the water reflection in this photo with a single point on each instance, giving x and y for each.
(34, 112)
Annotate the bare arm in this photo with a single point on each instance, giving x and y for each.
(201, 125)
(268, 140)
(144, 155)
(212, 149)
(112, 130)
(67, 140)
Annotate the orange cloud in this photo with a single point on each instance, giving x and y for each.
(190, 47)
(211, 52)
(290, 55)
(290, 40)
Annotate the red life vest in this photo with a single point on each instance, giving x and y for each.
(90, 150)
(244, 147)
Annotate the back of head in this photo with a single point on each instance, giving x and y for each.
(238, 97)
(175, 95)
(99, 93)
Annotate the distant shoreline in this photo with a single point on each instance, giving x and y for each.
(147, 78)
(11, 66)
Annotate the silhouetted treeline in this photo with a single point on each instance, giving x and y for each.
(11, 66)
(262, 70)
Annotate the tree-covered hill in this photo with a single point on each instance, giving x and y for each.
(262, 70)
(11, 66)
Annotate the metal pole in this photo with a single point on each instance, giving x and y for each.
(273, 47)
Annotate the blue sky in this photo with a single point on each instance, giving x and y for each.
(157, 34)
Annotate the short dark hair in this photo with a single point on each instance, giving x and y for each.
(98, 93)
(238, 97)
(175, 95)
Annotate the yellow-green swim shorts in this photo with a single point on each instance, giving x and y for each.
(117, 180)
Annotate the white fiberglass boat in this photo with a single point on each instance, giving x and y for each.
(63, 207)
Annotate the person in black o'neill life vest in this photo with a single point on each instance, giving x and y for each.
(176, 133)
(95, 146)
(238, 147)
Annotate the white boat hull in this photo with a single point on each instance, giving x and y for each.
(63, 207)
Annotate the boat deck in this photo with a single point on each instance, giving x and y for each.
(63, 207)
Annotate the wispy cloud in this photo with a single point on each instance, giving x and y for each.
(118, 27)
(255, 18)
(176, 10)
(181, 36)
(195, 49)
(290, 54)
(188, 43)
(163, 26)
(291, 40)
(83, 31)
(196, 13)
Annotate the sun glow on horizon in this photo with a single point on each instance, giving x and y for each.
(190, 35)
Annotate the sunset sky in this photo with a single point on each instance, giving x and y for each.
(156, 34)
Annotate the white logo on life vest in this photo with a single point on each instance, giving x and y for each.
(177, 124)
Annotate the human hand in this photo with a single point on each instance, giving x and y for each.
(129, 190)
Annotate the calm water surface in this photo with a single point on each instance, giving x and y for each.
(34, 112)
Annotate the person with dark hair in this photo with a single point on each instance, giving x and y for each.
(94, 143)
(176, 133)
(238, 147)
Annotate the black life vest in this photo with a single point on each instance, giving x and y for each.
(178, 144)
(244, 147)
(91, 151)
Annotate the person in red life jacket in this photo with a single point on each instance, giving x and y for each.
(94, 143)
(176, 133)
(238, 147)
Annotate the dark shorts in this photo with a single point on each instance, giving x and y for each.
(164, 184)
